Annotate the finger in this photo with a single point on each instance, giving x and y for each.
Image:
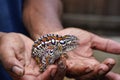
(49, 72)
(11, 63)
(113, 76)
(14, 67)
(104, 68)
(20, 57)
(27, 55)
(105, 44)
(98, 71)
(27, 48)
(109, 62)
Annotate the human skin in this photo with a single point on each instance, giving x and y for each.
(22, 70)
(15, 56)
(81, 63)
(43, 16)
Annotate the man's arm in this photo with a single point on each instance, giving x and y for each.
(42, 16)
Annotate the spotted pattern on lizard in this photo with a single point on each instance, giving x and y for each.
(48, 48)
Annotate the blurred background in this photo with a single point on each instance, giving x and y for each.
(101, 17)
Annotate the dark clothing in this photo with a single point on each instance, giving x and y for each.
(11, 16)
(10, 21)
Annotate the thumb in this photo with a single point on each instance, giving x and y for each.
(11, 63)
(13, 66)
(17, 68)
(49, 73)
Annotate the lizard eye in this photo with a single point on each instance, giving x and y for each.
(62, 42)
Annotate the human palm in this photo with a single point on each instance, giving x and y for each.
(81, 62)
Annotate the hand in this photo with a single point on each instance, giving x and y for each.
(81, 62)
(15, 55)
(113, 76)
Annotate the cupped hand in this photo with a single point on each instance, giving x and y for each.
(15, 55)
(81, 63)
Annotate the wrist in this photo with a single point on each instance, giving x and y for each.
(45, 30)
(42, 17)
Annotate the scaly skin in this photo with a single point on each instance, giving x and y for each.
(48, 48)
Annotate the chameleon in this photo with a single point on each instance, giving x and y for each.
(50, 47)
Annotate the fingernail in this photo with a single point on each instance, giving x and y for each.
(17, 70)
(101, 72)
(110, 65)
(88, 70)
(53, 72)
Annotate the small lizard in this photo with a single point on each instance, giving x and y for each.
(48, 48)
